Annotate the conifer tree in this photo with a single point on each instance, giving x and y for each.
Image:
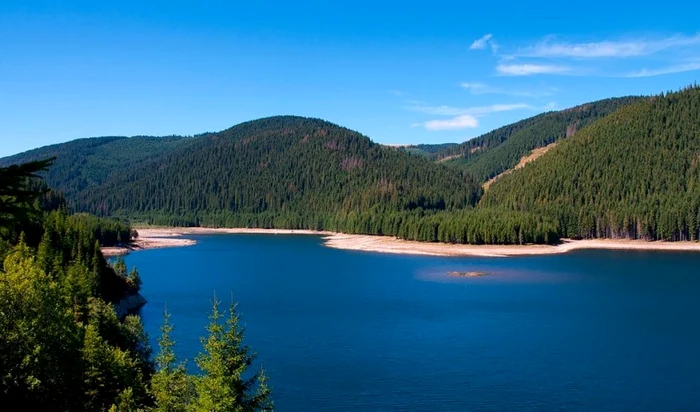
(224, 362)
(171, 387)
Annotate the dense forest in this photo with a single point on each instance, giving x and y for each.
(495, 152)
(635, 174)
(303, 173)
(63, 347)
(300, 173)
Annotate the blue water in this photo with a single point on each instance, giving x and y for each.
(342, 330)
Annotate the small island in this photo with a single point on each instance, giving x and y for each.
(472, 274)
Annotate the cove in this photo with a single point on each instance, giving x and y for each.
(343, 330)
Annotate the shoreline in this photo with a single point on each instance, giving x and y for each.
(156, 238)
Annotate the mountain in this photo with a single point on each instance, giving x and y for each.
(500, 150)
(635, 173)
(89, 162)
(626, 167)
(283, 172)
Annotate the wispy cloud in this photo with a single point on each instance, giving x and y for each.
(483, 42)
(610, 49)
(679, 68)
(530, 69)
(481, 88)
(462, 117)
(474, 111)
(464, 121)
(476, 88)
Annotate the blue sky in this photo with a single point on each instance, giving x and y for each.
(398, 72)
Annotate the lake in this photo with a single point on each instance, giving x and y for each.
(345, 331)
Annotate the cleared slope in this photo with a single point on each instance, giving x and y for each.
(635, 173)
(491, 154)
(530, 157)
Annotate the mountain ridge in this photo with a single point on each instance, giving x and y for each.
(292, 172)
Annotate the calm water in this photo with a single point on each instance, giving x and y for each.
(341, 330)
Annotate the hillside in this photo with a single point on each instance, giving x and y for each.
(500, 150)
(635, 173)
(280, 165)
(287, 172)
(632, 173)
(88, 162)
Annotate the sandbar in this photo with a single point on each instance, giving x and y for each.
(150, 238)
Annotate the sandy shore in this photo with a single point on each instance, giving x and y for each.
(158, 238)
(391, 245)
(151, 238)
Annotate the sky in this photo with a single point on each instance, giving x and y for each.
(398, 72)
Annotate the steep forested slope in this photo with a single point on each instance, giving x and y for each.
(635, 173)
(495, 152)
(88, 162)
(281, 165)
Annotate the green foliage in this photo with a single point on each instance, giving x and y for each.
(173, 390)
(635, 174)
(62, 346)
(40, 342)
(109, 232)
(15, 193)
(18, 199)
(495, 152)
(223, 385)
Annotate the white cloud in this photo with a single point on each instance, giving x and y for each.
(464, 121)
(680, 68)
(483, 42)
(530, 69)
(550, 106)
(618, 49)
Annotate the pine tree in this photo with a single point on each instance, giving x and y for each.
(171, 387)
(224, 362)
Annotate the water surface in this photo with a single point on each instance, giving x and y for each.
(345, 330)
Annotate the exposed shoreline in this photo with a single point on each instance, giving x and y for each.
(154, 238)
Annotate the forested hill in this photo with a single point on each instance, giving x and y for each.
(497, 151)
(279, 171)
(88, 162)
(635, 173)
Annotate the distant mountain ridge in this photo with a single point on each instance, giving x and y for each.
(574, 177)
